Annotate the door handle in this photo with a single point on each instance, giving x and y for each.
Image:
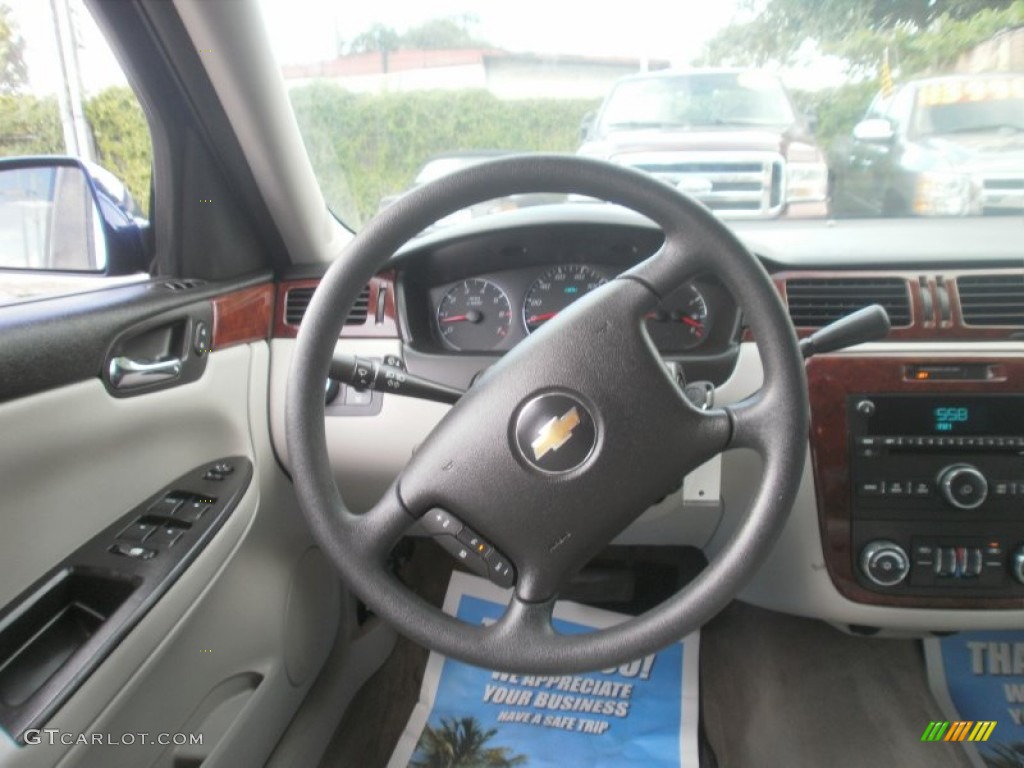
(126, 372)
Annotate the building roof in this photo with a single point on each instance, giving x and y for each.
(406, 60)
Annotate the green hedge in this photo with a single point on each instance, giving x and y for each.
(368, 146)
(31, 126)
(837, 109)
(121, 136)
(364, 146)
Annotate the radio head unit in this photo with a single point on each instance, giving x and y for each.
(937, 485)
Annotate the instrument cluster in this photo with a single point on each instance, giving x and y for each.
(490, 313)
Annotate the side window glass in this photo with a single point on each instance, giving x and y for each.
(63, 95)
(899, 111)
(879, 105)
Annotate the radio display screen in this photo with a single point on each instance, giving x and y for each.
(946, 415)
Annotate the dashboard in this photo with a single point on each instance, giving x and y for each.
(882, 535)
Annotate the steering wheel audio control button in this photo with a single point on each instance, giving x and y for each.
(473, 540)
(499, 569)
(468, 547)
(438, 522)
(463, 554)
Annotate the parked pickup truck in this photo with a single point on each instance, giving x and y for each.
(730, 138)
(942, 146)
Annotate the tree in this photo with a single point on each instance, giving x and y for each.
(461, 744)
(29, 126)
(377, 38)
(919, 34)
(441, 34)
(121, 135)
(13, 72)
(431, 35)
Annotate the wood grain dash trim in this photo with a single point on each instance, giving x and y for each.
(243, 316)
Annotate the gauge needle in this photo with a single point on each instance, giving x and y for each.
(692, 323)
(540, 318)
(470, 317)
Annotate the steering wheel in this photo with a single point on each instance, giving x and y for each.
(564, 441)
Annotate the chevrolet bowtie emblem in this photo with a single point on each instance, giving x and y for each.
(555, 433)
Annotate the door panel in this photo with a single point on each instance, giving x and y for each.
(81, 458)
(216, 653)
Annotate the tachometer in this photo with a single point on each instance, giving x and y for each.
(555, 290)
(474, 315)
(680, 322)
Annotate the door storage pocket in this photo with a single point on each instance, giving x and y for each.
(39, 636)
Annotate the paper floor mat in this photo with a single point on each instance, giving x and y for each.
(978, 680)
(642, 713)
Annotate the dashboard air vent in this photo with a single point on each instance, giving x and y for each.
(818, 301)
(298, 299)
(185, 284)
(992, 299)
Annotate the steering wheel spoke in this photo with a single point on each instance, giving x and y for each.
(523, 621)
(750, 420)
(675, 262)
(699, 435)
(377, 530)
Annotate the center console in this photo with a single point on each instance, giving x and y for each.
(938, 493)
(920, 479)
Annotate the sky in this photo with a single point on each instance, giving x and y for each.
(637, 28)
(305, 31)
(35, 22)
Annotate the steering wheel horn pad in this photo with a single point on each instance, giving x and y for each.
(564, 441)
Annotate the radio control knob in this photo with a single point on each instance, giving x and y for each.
(963, 486)
(885, 563)
(1017, 564)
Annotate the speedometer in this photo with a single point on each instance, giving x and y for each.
(474, 315)
(555, 290)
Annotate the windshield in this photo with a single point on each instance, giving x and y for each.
(773, 110)
(971, 106)
(696, 100)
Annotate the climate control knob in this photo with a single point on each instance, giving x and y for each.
(1017, 564)
(963, 486)
(885, 563)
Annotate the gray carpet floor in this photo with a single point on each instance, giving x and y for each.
(784, 691)
(778, 692)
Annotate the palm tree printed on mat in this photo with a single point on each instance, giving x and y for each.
(461, 743)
